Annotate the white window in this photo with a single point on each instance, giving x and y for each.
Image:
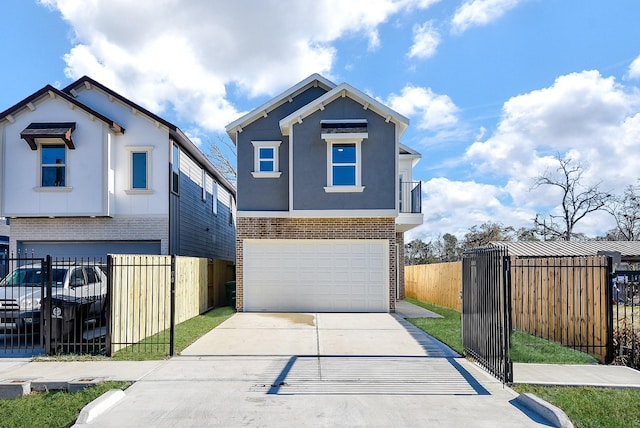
(265, 159)
(344, 146)
(139, 169)
(344, 169)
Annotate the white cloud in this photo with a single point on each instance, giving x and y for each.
(579, 111)
(480, 12)
(455, 206)
(634, 69)
(425, 41)
(432, 111)
(185, 55)
(589, 118)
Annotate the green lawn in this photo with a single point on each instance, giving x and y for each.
(592, 407)
(185, 334)
(524, 347)
(50, 409)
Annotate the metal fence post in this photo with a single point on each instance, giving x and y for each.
(173, 307)
(609, 302)
(109, 304)
(46, 314)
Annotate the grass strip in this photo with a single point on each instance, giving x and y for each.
(525, 348)
(51, 409)
(156, 347)
(589, 407)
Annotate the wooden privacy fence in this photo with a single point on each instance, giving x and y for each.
(563, 299)
(566, 300)
(141, 291)
(438, 283)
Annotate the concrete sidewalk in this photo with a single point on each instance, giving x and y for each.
(260, 369)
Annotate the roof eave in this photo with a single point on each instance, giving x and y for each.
(345, 89)
(236, 126)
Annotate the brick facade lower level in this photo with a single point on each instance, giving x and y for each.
(317, 228)
(122, 228)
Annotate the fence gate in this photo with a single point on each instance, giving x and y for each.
(486, 310)
(21, 291)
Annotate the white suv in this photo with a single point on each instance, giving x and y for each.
(21, 292)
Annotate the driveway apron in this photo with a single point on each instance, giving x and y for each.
(317, 369)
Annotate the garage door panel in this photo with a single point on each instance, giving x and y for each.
(316, 275)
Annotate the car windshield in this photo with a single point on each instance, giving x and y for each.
(32, 276)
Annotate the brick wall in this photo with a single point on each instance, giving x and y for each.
(315, 228)
(91, 229)
(400, 243)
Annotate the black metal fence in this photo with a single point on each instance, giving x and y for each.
(626, 318)
(486, 310)
(411, 197)
(53, 306)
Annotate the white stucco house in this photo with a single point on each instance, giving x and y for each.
(85, 171)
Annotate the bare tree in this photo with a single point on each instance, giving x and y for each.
(625, 209)
(481, 236)
(221, 160)
(578, 200)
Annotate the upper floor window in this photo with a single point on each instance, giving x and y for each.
(139, 169)
(53, 165)
(266, 159)
(175, 170)
(344, 145)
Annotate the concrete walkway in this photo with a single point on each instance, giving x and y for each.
(311, 369)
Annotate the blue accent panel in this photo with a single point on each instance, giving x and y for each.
(139, 173)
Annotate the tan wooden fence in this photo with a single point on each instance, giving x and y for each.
(559, 299)
(141, 294)
(563, 300)
(438, 283)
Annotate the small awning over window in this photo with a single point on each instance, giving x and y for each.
(61, 130)
(353, 126)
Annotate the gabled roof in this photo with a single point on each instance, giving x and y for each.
(277, 101)
(88, 82)
(345, 90)
(568, 248)
(50, 91)
(175, 132)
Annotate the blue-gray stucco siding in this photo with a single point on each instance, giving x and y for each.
(268, 194)
(378, 162)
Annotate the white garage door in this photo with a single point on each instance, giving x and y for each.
(316, 275)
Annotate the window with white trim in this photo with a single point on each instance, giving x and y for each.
(344, 154)
(53, 163)
(266, 159)
(175, 169)
(139, 169)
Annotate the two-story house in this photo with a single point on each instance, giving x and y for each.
(85, 171)
(325, 194)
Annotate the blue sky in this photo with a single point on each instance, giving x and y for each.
(494, 89)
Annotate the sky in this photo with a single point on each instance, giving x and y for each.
(495, 90)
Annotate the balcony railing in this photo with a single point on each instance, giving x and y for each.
(411, 197)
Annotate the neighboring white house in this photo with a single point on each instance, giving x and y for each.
(86, 172)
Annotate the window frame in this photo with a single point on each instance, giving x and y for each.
(64, 166)
(175, 169)
(131, 150)
(349, 188)
(257, 172)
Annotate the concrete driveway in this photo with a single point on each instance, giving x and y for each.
(333, 370)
